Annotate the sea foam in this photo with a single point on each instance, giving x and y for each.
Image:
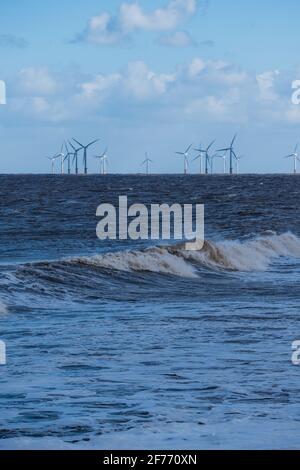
(255, 254)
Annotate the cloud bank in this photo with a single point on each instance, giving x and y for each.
(108, 29)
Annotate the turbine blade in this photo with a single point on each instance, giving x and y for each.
(70, 143)
(210, 146)
(92, 143)
(81, 146)
(233, 140)
(188, 149)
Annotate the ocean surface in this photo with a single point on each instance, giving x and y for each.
(141, 344)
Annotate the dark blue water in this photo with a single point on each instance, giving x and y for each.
(131, 344)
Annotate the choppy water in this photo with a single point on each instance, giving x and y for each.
(127, 344)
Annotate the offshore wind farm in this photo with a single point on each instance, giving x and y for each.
(71, 156)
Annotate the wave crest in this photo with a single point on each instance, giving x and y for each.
(245, 256)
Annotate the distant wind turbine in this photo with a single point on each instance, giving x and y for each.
(52, 159)
(147, 162)
(200, 158)
(68, 157)
(207, 156)
(75, 157)
(237, 165)
(295, 157)
(186, 158)
(103, 162)
(224, 162)
(61, 155)
(232, 153)
(85, 148)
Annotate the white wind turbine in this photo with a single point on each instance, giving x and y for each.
(200, 158)
(61, 155)
(295, 157)
(103, 162)
(147, 162)
(224, 158)
(52, 160)
(237, 164)
(208, 158)
(186, 158)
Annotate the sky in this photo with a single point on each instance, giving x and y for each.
(149, 76)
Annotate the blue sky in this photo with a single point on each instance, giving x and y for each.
(148, 76)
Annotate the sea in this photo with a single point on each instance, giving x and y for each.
(141, 344)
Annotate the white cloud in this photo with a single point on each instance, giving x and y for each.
(142, 83)
(37, 81)
(177, 39)
(132, 16)
(266, 85)
(99, 86)
(108, 29)
(200, 89)
(196, 66)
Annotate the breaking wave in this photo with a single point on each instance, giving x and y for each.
(255, 254)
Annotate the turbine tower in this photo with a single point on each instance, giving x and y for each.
(52, 160)
(85, 148)
(200, 158)
(68, 158)
(186, 158)
(207, 156)
(147, 162)
(224, 162)
(232, 153)
(103, 162)
(61, 155)
(295, 157)
(75, 157)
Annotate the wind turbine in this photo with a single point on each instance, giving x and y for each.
(146, 162)
(103, 162)
(295, 157)
(238, 159)
(232, 153)
(75, 157)
(200, 158)
(61, 155)
(68, 157)
(85, 148)
(186, 158)
(52, 159)
(224, 161)
(207, 156)
(212, 162)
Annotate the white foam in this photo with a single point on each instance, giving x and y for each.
(246, 256)
(156, 260)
